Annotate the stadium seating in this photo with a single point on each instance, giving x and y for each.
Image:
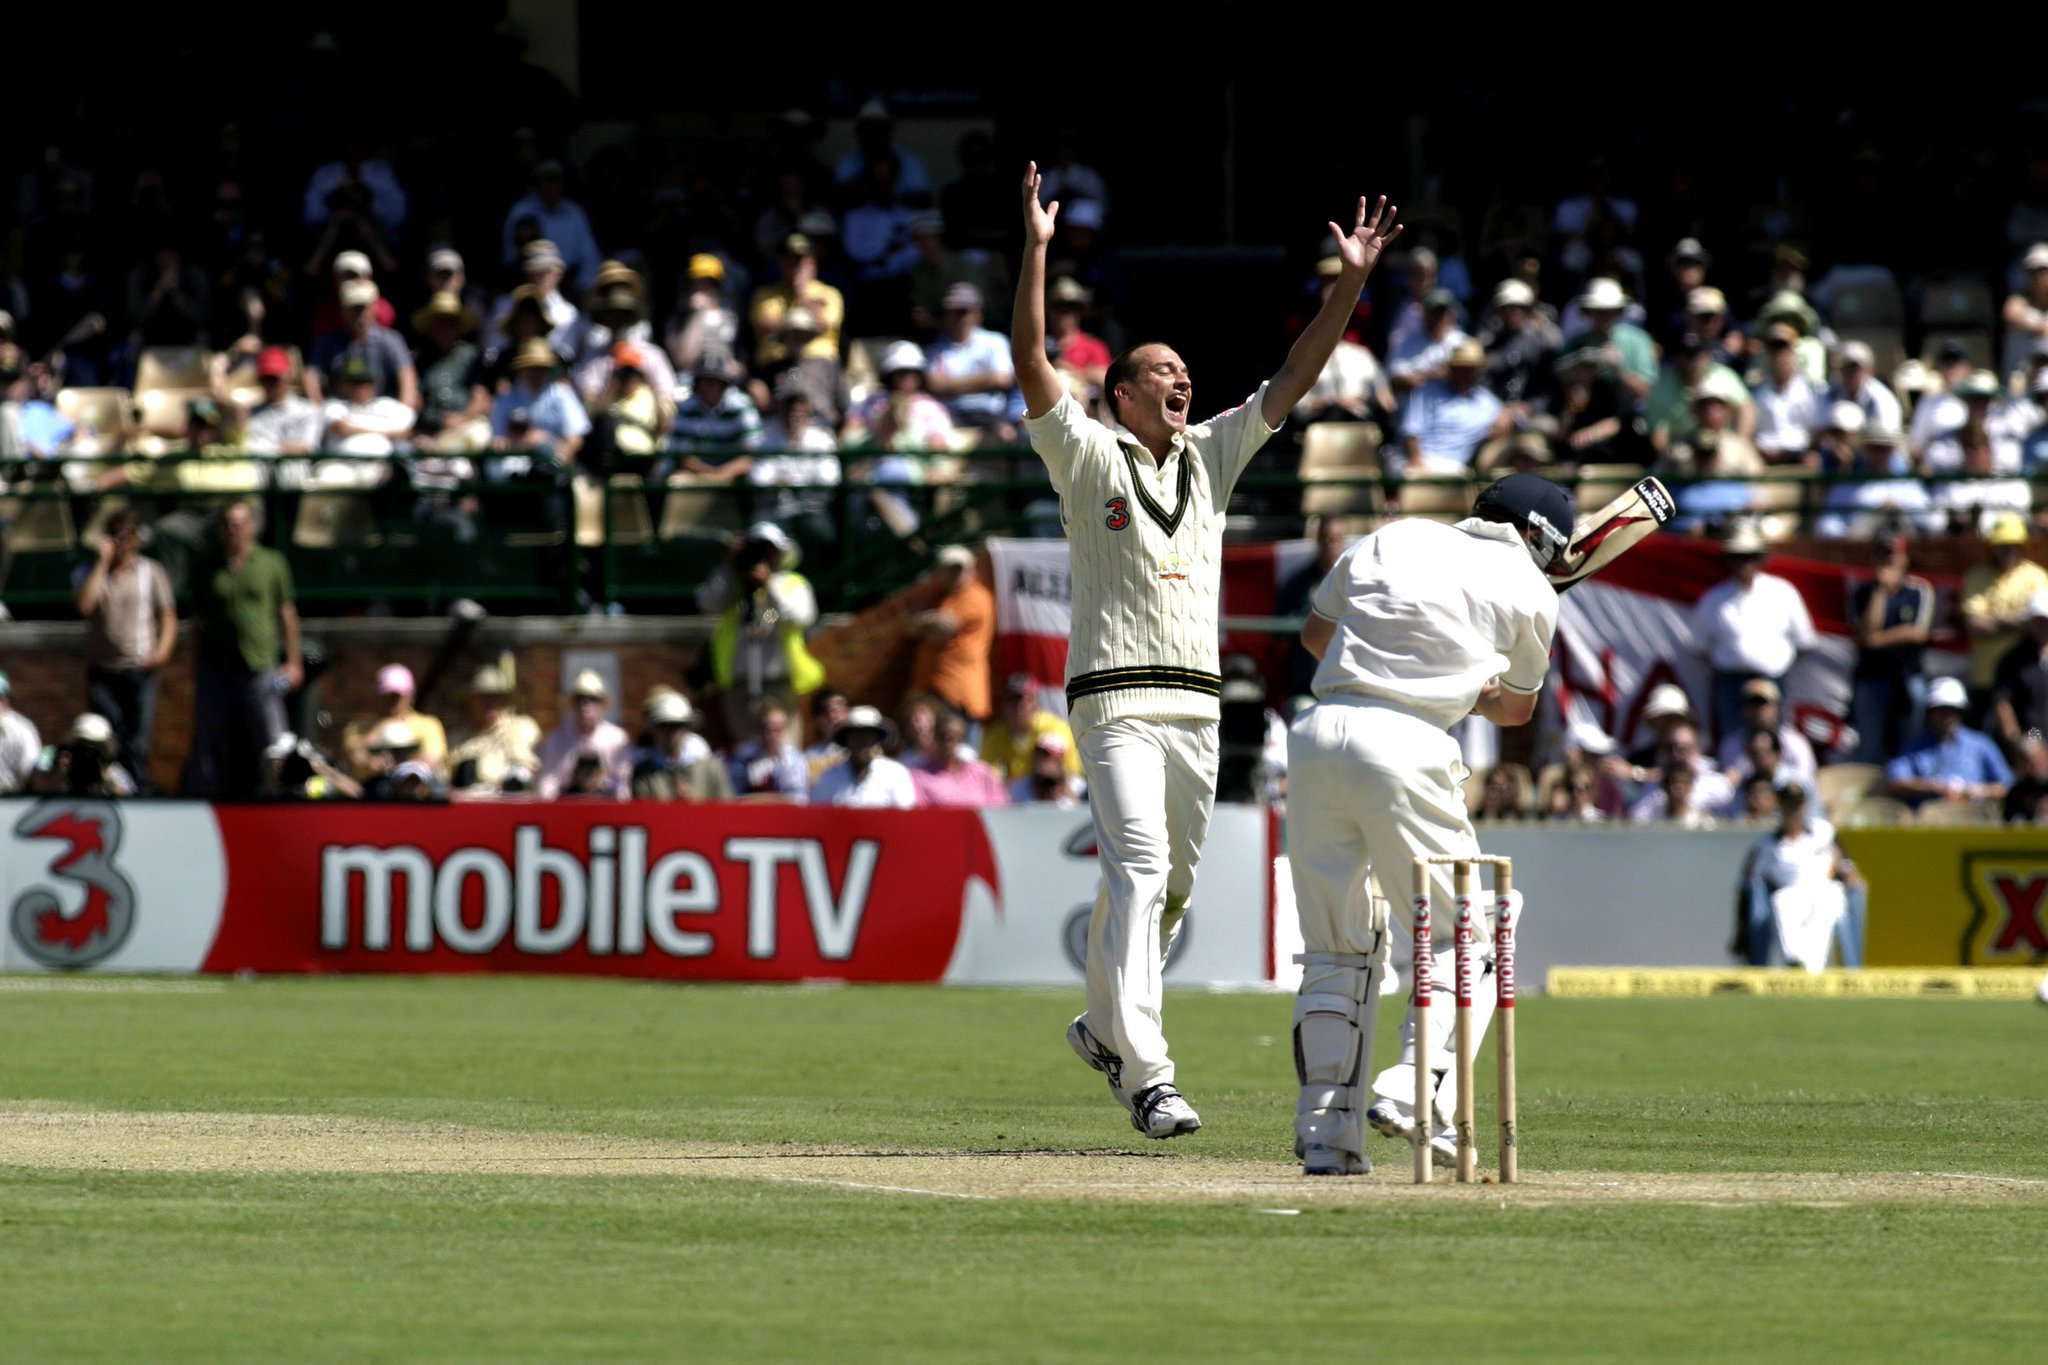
(1841, 785)
(1435, 497)
(1340, 450)
(1957, 813)
(109, 413)
(1600, 484)
(1874, 810)
(863, 365)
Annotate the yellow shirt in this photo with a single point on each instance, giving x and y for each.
(773, 300)
(1987, 592)
(432, 737)
(1010, 753)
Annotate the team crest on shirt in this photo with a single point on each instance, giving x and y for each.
(1173, 567)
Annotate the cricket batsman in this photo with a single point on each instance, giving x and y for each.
(1142, 499)
(1417, 626)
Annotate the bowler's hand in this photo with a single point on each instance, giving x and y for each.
(1360, 249)
(1038, 218)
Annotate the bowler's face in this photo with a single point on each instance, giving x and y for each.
(1161, 386)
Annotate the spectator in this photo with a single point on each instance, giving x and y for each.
(1521, 354)
(374, 183)
(248, 659)
(959, 778)
(1676, 801)
(2026, 801)
(718, 418)
(765, 608)
(561, 220)
(501, 755)
(1020, 728)
(362, 338)
(281, 422)
(874, 134)
(1750, 625)
(1788, 308)
(1762, 759)
(294, 769)
(1856, 382)
(1574, 798)
(770, 764)
(954, 635)
(821, 378)
(634, 413)
(1707, 309)
(1948, 761)
(2025, 314)
(1665, 709)
(1351, 388)
(168, 299)
(21, 744)
(1706, 790)
(618, 313)
(1409, 326)
(938, 268)
(1047, 780)
(1669, 410)
(1292, 601)
(1763, 709)
(395, 691)
(1892, 616)
(523, 319)
(446, 273)
(538, 413)
(389, 747)
(798, 263)
(131, 631)
(86, 762)
(1509, 793)
(330, 314)
(1788, 404)
(829, 706)
(675, 764)
(1800, 890)
(1941, 410)
(1598, 417)
(1447, 421)
(704, 322)
(875, 235)
(541, 263)
(1418, 357)
(2019, 689)
(455, 403)
(910, 424)
(968, 369)
(1626, 352)
(586, 731)
(868, 778)
(1979, 498)
(1081, 251)
(1874, 505)
(1945, 453)
(358, 422)
(1995, 598)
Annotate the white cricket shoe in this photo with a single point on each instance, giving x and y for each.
(1089, 1049)
(1391, 1119)
(1159, 1111)
(1316, 1159)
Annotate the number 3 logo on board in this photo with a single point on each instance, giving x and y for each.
(1119, 514)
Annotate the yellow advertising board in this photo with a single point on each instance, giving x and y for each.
(1954, 897)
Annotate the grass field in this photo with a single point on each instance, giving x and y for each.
(502, 1169)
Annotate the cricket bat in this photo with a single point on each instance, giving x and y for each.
(1599, 538)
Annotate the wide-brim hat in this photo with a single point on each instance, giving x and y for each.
(534, 353)
(864, 718)
(1744, 539)
(445, 304)
(1603, 295)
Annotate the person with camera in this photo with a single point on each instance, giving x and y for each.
(764, 609)
(131, 629)
(84, 763)
(294, 769)
(501, 755)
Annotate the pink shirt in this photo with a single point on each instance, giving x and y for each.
(559, 749)
(972, 784)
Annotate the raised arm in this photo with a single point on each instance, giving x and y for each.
(1360, 252)
(1035, 373)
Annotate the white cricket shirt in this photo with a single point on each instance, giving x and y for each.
(1758, 631)
(1147, 546)
(1428, 614)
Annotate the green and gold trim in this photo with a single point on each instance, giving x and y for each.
(1147, 675)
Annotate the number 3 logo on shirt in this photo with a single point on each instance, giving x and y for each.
(1119, 514)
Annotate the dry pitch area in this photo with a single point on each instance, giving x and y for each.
(63, 1138)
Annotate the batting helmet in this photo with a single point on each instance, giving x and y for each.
(1541, 510)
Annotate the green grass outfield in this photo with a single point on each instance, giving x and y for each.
(303, 1246)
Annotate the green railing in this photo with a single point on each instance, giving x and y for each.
(556, 545)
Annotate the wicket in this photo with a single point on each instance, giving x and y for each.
(1463, 875)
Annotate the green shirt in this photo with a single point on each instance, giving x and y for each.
(237, 610)
(1668, 409)
(1638, 352)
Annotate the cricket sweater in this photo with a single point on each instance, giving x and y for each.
(1146, 540)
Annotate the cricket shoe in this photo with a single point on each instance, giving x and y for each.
(1158, 1111)
(1317, 1159)
(1391, 1119)
(1089, 1049)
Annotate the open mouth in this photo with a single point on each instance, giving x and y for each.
(1177, 404)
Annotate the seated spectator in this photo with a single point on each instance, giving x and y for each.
(524, 319)
(1669, 410)
(362, 338)
(29, 392)
(1948, 762)
(415, 781)
(1872, 505)
(358, 169)
(799, 285)
(1707, 317)
(1938, 409)
(542, 266)
(938, 268)
(1762, 758)
(395, 688)
(1800, 891)
(704, 321)
(2026, 802)
(1598, 421)
(281, 422)
(1680, 746)
(585, 731)
(1675, 801)
(390, 745)
(1522, 347)
(1856, 382)
(868, 778)
(1047, 780)
(829, 706)
(1788, 404)
(820, 378)
(1626, 353)
(1509, 793)
(1575, 799)
(718, 419)
(539, 413)
(1995, 596)
(330, 313)
(2025, 312)
(2019, 688)
(1423, 355)
(1788, 309)
(501, 754)
(358, 422)
(87, 761)
(1763, 708)
(968, 369)
(675, 764)
(455, 402)
(618, 313)
(168, 299)
(1975, 501)
(912, 426)
(1447, 421)
(1010, 741)
(1947, 452)
(1756, 800)
(768, 764)
(960, 779)
(633, 414)
(561, 221)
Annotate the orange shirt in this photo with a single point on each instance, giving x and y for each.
(957, 670)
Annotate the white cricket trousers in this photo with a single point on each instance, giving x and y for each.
(1372, 784)
(1151, 786)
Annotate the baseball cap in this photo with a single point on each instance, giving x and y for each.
(589, 684)
(1948, 692)
(2036, 257)
(358, 293)
(1439, 298)
(394, 679)
(1858, 353)
(1951, 351)
(903, 355)
(1706, 299)
(2009, 528)
(1761, 687)
(541, 254)
(705, 266)
(354, 263)
(273, 361)
(1084, 213)
(1513, 294)
(446, 258)
(962, 295)
(1666, 699)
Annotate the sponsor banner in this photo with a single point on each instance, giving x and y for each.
(730, 893)
(1034, 605)
(1622, 633)
(1616, 983)
(1968, 896)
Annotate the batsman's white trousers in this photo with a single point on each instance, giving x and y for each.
(1151, 786)
(1370, 788)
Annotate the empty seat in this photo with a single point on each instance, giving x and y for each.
(1434, 496)
(1340, 450)
(1873, 809)
(328, 521)
(710, 507)
(1957, 813)
(39, 525)
(1957, 305)
(616, 515)
(1887, 343)
(108, 414)
(1983, 355)
(863, 365)
(172, 367)
(1841, 785)
(1600, 484)
(1868, 301)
